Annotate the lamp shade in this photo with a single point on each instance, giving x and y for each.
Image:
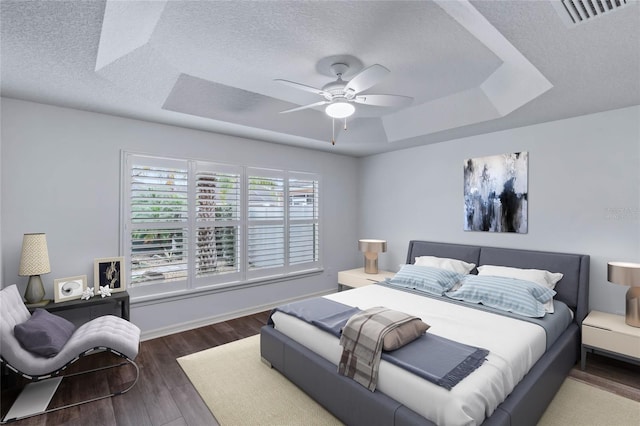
(35, 256)
(374, 246)
(624, 273)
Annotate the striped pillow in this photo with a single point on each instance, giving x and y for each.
(521, 297)
(538, 276)
(425, 278)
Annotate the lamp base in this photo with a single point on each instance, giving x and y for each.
(35, 290)
(370, 263)
(632, 315)
(40, 304)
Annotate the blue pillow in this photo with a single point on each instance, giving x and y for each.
(44, 334)
(521, 297)
(425, 278)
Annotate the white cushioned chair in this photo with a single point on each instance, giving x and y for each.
(106, 333)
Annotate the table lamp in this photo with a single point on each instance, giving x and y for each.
(626, 273)
(371, 248)
(33, 262)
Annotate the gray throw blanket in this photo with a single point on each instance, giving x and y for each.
(434, 358)
(361, 341)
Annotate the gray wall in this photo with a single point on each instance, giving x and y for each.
(61, 175)
(584, 194)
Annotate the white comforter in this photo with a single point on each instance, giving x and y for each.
(514, 347)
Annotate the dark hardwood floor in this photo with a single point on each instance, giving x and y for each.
(613, 375)
(165, 396)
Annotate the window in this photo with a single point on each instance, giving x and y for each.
(303, 220)
(190, 224)
(217, 227)
(158, 215)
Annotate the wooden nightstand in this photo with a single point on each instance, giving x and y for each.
(358, 278)
(608, 334)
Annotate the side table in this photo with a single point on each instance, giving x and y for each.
(610, 335)
(121, 298)
(358, 278)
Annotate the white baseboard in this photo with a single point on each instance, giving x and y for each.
(190, 325)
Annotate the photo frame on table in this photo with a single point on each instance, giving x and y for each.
(70, 288)
(109, 271)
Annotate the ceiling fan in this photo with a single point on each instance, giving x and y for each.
(339, 95)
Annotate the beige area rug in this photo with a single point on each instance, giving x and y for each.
(239, 389)
(578, 403)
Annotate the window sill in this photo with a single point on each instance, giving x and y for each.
(165, 297)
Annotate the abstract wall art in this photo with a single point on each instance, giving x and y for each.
(496, 193)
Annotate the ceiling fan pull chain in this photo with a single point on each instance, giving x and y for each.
(333, 131)
(345, 123)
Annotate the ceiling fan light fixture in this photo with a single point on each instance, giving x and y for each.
(340, 109)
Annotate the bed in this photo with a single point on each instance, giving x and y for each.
(315, 373)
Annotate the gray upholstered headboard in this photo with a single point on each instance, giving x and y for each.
(572, 289)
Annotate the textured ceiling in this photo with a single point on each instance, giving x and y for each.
(471, 67)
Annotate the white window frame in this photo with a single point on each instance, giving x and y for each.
(243, 275)
(128, 225)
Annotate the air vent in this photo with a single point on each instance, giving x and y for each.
(574, 12)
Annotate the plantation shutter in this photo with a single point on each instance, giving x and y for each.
(304, 248)
(189, 224)
(158, 216)
(265, 218)
(218, 214)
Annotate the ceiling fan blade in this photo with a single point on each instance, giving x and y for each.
(366, 78)
(302, 87)
(315, 104)
(384, 100)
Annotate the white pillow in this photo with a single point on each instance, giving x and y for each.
(454, 265)
(539, 276)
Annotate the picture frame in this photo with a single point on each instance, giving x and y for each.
(109, 271)
(70, 288)
(496, 193)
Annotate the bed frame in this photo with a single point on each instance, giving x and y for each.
(355, 405)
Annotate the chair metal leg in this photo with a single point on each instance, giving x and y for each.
(7, 419)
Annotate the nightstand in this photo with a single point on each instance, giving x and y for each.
(358, 278)
(610, 335)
